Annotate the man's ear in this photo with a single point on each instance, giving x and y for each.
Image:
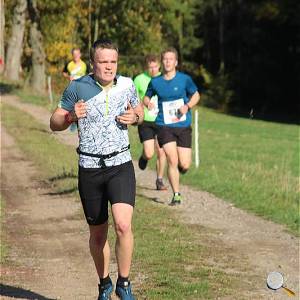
(176, 63)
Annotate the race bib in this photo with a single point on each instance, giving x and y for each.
(154, 111)
(171, 111)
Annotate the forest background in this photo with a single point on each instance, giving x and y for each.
(243, 54)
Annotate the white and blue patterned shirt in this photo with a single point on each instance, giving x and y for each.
(99, 132)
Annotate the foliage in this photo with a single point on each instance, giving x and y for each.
(218, 95)
(254, 43)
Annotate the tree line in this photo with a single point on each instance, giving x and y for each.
(243, 54)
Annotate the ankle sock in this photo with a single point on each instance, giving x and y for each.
(105, 281)
(121, 280)
(177, 194)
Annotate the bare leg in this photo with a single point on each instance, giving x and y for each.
(161, 160)
(185, 157)
(122, 214)
(172, 158)
(148, 150)
(99, 248)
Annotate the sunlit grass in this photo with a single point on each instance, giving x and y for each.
(253, 164)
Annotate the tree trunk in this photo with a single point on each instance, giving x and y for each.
(2, 24)
(15, 43)
(38, 79)
(90, 23)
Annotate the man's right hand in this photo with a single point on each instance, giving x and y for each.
(80, 109)
(151, 105)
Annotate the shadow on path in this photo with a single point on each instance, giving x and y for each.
(15, 292)
(153, 199)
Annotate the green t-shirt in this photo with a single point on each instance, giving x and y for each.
(141, 83)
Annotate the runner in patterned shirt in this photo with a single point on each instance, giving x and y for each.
(104, 104)
(177, 94)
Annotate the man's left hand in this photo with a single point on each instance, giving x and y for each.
(128, 117)
(183, 109)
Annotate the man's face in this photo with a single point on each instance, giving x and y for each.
(153, 68)
(169, 61)
(105, 65)
(76, 55)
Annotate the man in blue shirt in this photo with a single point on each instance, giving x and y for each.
(177, 94)
(104, 104)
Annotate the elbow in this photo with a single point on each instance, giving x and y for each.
(52, 127)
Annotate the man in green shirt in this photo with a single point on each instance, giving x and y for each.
(148, 129)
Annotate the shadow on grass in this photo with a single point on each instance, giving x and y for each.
(146, 188)
(63, 192)
(16, 292)
(62, 176)
(39, 130)
(7, 88)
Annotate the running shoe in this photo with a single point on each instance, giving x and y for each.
(143, 163)
(124, 292)
(160, 185)
(105, 291)
(176, 200)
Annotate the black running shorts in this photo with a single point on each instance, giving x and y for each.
(181, 135)
(98, 186)
(147, 131)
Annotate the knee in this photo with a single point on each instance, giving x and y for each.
(97, 240)
(122, 229)
(173, 163)
(185, 166)
(148, 154)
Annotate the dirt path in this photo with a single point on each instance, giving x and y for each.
(243, 244)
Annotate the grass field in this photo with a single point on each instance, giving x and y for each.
(251, 163)
(162, 262)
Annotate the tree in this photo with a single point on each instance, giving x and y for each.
(2, 26)
(38, 77)
(15, 43)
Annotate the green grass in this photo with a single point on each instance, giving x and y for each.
(171, 265)
(253, 164)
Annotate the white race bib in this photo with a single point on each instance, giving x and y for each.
(171, 111)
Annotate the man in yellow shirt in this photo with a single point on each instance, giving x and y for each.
(76, 67)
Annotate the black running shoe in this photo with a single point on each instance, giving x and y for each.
(143, 163)
(160, 185)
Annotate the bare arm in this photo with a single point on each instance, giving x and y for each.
(58, 120)
(66, 75)
(189, 105)
(147, 102)
(61, 118)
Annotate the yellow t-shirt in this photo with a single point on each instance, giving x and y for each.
(76, 70)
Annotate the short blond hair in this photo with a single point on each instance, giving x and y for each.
(169, 49)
